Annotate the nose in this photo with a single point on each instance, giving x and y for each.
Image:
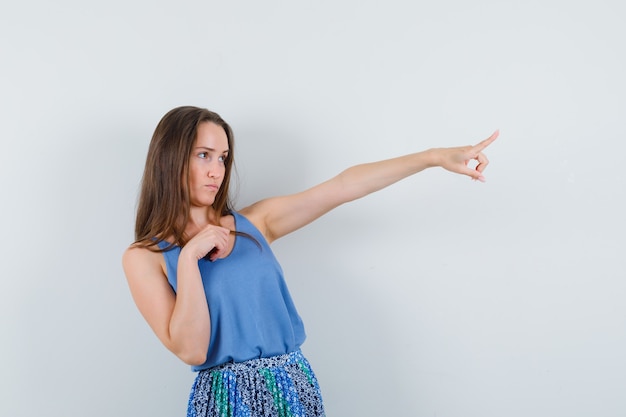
(214, 170)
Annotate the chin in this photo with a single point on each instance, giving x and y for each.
(203, 203)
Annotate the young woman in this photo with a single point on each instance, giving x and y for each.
(205, 279)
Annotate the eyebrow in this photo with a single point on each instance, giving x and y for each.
(211, 149)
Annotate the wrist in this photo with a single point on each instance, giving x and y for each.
(187, 255)
(432, 157)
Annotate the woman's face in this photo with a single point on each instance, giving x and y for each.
(207, 164)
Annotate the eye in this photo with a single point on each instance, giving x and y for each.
(203, 155)
(223, 158)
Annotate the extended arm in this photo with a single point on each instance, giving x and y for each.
(279, 216)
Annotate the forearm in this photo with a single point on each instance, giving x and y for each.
(361, 180)
(190, 324)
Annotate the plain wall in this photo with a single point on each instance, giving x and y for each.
(437, 296)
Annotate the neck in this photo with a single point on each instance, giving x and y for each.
(200, 217)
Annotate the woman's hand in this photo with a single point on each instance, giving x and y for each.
(212, 240)
(458, 159)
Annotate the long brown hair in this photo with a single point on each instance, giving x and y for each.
(163, 207)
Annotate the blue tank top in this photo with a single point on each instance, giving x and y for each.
(252, 313)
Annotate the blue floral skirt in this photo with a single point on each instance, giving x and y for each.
(280, 386)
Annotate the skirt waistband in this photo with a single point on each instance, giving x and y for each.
(260, 363)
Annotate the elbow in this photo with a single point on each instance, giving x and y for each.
(192, 358)
(190, 347)
(193, 355)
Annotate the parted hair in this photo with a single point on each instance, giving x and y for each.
(163, 206)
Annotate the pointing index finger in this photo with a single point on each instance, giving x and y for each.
(483, 144)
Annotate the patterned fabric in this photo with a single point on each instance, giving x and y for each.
(279, 386)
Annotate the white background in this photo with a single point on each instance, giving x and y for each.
(438, 296)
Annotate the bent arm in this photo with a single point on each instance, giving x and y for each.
(181, 321)
(278, 216)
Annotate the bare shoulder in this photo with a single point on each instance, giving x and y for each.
(256, 214)
(251, 211)
(141, 262)
(278, 216)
